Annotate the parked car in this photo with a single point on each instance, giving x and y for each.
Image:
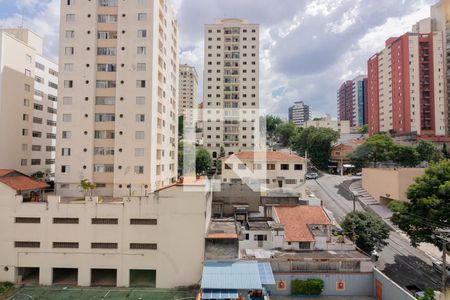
(358, 174)
(312, 175)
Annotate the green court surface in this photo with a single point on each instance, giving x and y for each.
(75, 293)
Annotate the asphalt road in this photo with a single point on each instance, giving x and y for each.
(403, 263)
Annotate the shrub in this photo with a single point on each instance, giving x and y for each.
(307, 287)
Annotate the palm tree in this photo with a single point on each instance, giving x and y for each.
(87, 186)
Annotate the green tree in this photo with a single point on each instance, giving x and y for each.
(405, 156)
(429, 206)
(317, 142)
(285, 132)
(180, 125)
(364, 129)
(87, 186)
(376, 149)
(39, 175)
(367, 230)
(445, 152)
(203, 161)
(427, 151)
(272, 123)
(427, 295)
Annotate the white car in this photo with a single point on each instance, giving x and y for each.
(312, 175)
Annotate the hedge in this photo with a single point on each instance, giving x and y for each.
(307, 287)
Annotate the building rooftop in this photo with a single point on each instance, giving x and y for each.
(296, 221)
(318, 255)
(222, 229)
(20, 182)
(265, 156)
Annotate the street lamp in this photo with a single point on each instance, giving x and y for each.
(354, 196)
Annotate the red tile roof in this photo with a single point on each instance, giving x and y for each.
(19, 181)
(222, 235)
(265, 156)
(296, 220)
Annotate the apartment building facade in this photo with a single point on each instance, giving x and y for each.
(188, 89)
(406, 86)
(343, 126)
(345, 102)
(299, 113)
(231, 87)
(28, 103)
(119, 96)
(352, 101)
(158, 238)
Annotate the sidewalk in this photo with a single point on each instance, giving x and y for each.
(369, 203)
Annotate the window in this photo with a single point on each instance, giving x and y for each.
(106, 18)
(37, 120)
(105, 84)
(69, 50)
(142, 33)
(139, 135)
(105, 117)
(25, 117)
(291, 181)
(103, 221)
(139, 152)
(28, 73)
(35, 162)
(50, 148)
(140, 100)
(65, 151)
(24, 132)
(27, 87)
(142, 17)
(66, 134)
(139, 169)
(40, 66)
(141, 50)
(65, 245)
(141, 67)
(103, 168)
(140, 118)
(228, 166)
(140, 83)
(52, 72)
(67, 118)
(270, 166)
(260, 237)
(298, 167)
(143, 246)
(70, 34)
(38, 78)
(68, 67)
(241, 166)
(104, 245)
(23, 162)
(23, 244)
(111, 51)
(70, 2)
(65, 169)
(107, 35)
(105, 100)
(106, 67)
(70, 17)
(103, 151)
(284, 167)
(67, 100)
(68, 84)
(107, 2)
(37, 134)
(52, 85)
(143, 222)
(27, 220)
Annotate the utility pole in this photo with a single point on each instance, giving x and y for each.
(443, 234)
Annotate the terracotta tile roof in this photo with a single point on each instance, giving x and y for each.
(296, 220)
(265, 156)
(222, 235)
(19, 181)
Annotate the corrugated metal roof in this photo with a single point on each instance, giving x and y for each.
(220, 294)
(265, 273)
(240, 275)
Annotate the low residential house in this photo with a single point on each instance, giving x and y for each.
(340, 154)
(153, 240)
(264, 170)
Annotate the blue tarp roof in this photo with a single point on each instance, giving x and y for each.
(239, 275)
(220, 294)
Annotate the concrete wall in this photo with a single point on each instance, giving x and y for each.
(356, 284)
(179, 234)
(230, 194)
(389, 183)
(389, 289)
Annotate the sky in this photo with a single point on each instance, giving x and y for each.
(307, 47)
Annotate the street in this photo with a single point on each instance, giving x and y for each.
(400, 261)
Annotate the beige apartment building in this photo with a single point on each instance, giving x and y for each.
(119, 96)
(188, 89)
(343, 127)
(150, 241)
(231, 87)
(28, 101)
(265, 170)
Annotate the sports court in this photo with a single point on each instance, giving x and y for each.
(69, 293)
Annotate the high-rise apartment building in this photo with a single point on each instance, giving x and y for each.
(231, 86)
(28, 101)
(345, 102)
(188, 89)
(118, 96)
(359, 93)
(406, 87)
(299, 113)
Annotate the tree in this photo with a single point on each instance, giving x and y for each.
(203, 161)
(39, 175)
(363, 129)
(427, 151)
(272, 123)
(376, 149)
(445, 152)
(429, 206)
(367, 230)
(180, 125)
(87, 186)
(285, 132)
(428, 294)
(317, 142)
(405, 156)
